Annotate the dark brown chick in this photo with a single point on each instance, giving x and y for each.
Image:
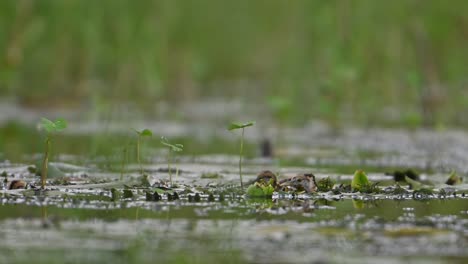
(17, 184)
(267, 177)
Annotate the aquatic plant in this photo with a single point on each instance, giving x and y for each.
(454, 179)
(50, 127)
(5, 180)
(260, 190)
(172, 149)
(141, 134)
(359, 180)
(235, 126)
(325, 184)
(264, 185)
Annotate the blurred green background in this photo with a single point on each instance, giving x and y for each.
(368, 62)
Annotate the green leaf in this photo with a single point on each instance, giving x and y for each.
(234, 126)
(260, 190)
(173, 147)
(146, 133)
(268, 190)
(48, 125)
(57, 126)
(359, 180)
(60, 124)
(177, 147)
(255, 191)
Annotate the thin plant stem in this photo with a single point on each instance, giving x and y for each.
(45, 164)
(169, 166)
(240, 157)
(138, 155)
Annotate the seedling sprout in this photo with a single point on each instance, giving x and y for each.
(50, 127)
(172, 148)
(235, 126)
(140, 134)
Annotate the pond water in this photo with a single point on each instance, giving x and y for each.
(92, 215)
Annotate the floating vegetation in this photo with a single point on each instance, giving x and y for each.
(260, 190)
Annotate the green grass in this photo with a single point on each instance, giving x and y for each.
(336, 60)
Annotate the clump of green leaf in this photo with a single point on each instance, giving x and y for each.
(370, 188)
(235, 126)
(360, 181)
(50, 127)
(260, 190)
(127, 193)
(5, 180)
(454, 179)
(173, 148)
(325, 184)
(115, 194)
(140, 135)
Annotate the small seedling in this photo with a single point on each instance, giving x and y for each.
(51, 127)
(172, 148)
(235, 126)
(140, 134)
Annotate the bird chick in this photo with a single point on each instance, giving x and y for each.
(265, 178)
(301, 182)
(17, 184)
